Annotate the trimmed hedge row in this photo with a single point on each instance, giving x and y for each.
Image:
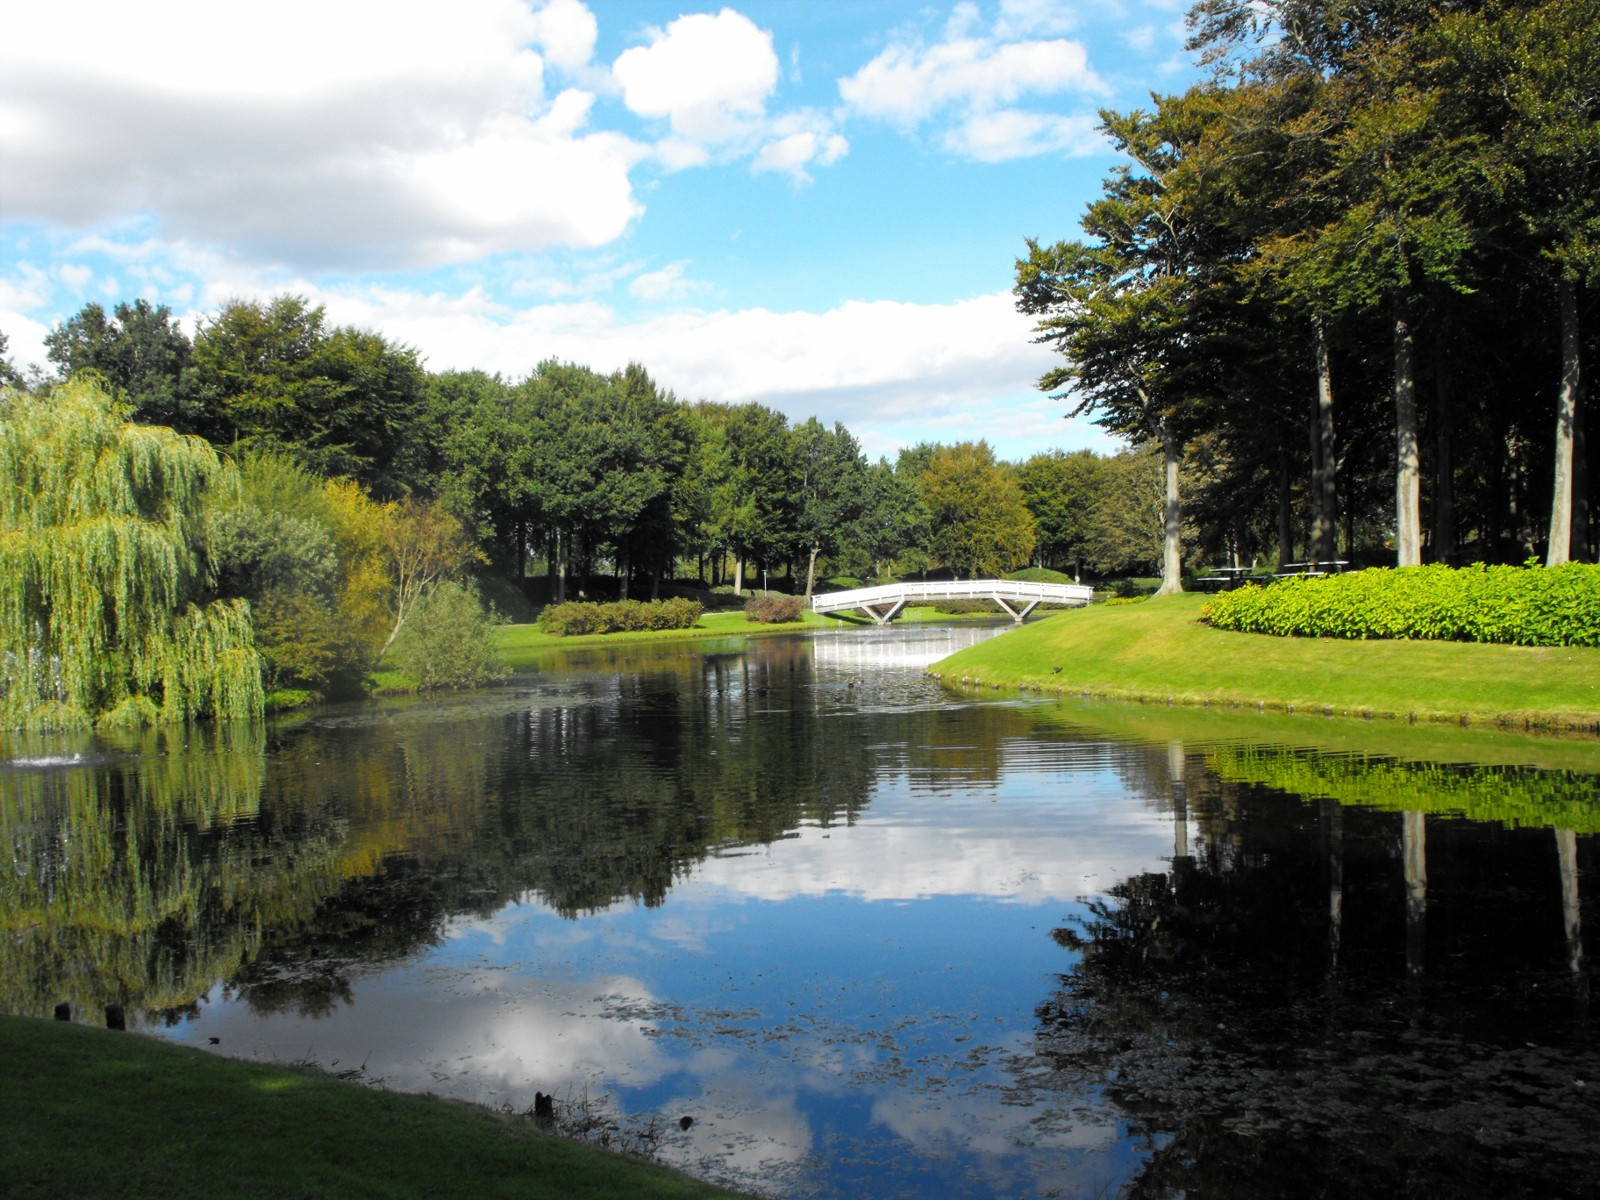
(1521, 606)
(773, 610)
(620, 616)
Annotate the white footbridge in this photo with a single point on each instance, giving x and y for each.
(883, 604)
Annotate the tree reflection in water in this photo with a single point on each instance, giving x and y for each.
(1327, 1001)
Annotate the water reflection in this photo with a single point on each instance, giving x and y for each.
(875, 938)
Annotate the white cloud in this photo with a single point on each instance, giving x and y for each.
(975, 79)
(566, 31)
(709, 76)
(666, 284)
(792, 153)
(404, 133)
(894, 373)
(1013, 133)
(1024, 18)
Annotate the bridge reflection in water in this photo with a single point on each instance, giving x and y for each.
(884, 603)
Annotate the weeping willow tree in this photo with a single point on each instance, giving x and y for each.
(103, 575)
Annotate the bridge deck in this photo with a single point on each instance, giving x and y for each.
(884, 603)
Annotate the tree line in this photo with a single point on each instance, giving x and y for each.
(1345, 282)
(573, 473)
(348, 498)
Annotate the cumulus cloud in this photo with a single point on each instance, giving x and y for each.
(709, 76)
(402, 134)
(975, 79)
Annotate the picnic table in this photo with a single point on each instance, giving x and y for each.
(1223, 579)
(1322, 566)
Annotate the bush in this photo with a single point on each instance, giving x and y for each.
(1522, 606)
(620, 616)
(1040, 575)
(772, 609)
(842, 583)
(445, 642)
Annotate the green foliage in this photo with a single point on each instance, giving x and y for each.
(1522, 606)
(447, 641)
(103, 571)
(770, 608)
(980, 522)
(622, 616)
(1039, 575)
(1511, 795)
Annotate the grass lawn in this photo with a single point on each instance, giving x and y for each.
(1159, 650)
(88, 1112)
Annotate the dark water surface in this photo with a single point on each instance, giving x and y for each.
(789, 915)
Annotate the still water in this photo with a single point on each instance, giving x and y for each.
(787, 914)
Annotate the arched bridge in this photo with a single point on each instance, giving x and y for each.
(1019, 599)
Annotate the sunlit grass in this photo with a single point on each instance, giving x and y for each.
(87, 1112)
(1159, 650)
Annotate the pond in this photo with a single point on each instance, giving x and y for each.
(785, 913)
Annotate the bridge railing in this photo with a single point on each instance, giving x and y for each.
(957, 589)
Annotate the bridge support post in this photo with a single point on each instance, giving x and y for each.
(1018, 617)
(890, 614)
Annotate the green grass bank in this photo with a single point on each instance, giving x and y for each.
(1158, 650)
(88, 1112)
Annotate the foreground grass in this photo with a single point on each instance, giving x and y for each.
(1159, 650)
(88, 1112)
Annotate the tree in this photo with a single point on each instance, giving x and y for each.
(979, 518)
(892, 519)
(423, 545)
(1132, 310)
(342, 400)
(140, 350)
(1059, 490)
(1126, 515)
(105, 614)
(1532, 74)
(832, 479)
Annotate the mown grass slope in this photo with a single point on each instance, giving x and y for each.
(1159, 650)
(87, 1112)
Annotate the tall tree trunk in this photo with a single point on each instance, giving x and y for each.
(1414, 852)
(1407, 466)
(624, 569)
(738, 573)
(811, 570)
(1171, 561)
(1582, 529)
(1560, 546)
(1444, 469)
(1325, 499)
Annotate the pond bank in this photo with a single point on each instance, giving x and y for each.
(1159, 651)
(90, 1112)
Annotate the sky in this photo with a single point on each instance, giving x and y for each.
(812, 204)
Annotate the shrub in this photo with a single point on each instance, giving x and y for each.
(1040, 575)
(445, 642)
(574, 617)
(771, 609)
(1523, 606)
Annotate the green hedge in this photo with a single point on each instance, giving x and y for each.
(1522, 606)
(773, 610)
(620, 616)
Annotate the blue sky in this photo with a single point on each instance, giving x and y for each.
(815, 204)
